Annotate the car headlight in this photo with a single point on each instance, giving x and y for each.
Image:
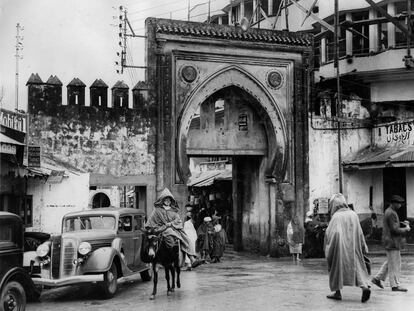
(84, 248)
(43, 249)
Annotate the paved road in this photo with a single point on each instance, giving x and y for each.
(241, 282)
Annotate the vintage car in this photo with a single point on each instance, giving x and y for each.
(96, 246)
(15, 283)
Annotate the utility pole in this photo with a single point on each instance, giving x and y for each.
(188, 11)
(287, 14)
(209, 11)
(19, 48)
(338, 92)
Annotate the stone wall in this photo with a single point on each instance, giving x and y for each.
(93, 138)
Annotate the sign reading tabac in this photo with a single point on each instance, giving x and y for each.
(33, 156)
(14, 120)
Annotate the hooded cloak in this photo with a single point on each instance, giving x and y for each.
(160, 218)
(344, 246)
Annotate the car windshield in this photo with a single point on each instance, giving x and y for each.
(89, 222)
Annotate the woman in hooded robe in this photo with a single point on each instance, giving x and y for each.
(344, 250)
(166, 220)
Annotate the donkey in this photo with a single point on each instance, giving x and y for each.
(156, 251)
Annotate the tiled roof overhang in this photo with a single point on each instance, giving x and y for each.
(213, 31)
(380, 158)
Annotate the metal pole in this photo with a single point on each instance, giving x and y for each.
(209, 12)
(338, 92)
(188, 10)
(409, 28)
(287, 14)
(18, 48)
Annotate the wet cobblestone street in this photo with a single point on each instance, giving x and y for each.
(240, 282)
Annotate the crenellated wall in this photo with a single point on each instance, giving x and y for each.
(92, 137)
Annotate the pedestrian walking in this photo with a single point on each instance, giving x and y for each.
(344, 250)
(393, 238)
(218, 241)
(294, 236)
(192, 238)
(205, 238)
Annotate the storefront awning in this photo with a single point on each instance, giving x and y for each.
(4, 139)
(380, 158)
(207, 178)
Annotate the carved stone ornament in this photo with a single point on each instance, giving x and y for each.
(274, 79)
(189, 73)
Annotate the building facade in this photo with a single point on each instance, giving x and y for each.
(377, 95)
(258, 81)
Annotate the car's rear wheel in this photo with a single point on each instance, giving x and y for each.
(146, 276)
(110, 282)
(13, 297)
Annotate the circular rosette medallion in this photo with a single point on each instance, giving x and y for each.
(274, 79)
(189, 73)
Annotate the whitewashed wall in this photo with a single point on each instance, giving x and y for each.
(52, 201)
(409, 173)
(357, 185)
(323, 159)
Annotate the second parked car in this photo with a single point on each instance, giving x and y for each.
(96, 246)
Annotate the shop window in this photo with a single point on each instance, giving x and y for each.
(21, 205)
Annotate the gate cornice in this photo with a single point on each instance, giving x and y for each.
(275, 125)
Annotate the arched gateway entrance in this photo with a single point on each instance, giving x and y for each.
(222, 92)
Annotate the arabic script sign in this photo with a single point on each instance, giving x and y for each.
(395, 134)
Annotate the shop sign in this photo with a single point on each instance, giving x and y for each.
(33, 156)
(398, 133)
(8, 148)
(13, 120)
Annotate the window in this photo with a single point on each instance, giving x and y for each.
(125, 223)
(138, 223)
(88, 223)
(360, 45)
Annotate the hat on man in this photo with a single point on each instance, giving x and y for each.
(397, 199)
(207, 219)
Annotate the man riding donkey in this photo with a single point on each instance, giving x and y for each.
(166, 220)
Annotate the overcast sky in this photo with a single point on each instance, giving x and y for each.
(78, 38)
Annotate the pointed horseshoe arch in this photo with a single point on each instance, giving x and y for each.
(275, 124)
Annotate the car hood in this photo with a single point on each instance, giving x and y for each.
(90, 235)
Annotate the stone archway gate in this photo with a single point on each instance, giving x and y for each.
(188, 62)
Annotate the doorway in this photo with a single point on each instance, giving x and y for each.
(395, 183)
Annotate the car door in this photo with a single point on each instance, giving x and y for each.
(126, 233)
(138, 224)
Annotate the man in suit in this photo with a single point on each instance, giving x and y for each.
(392, 235)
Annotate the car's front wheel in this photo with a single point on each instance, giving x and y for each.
(110, 282)
(146, 276)
(13, 297)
